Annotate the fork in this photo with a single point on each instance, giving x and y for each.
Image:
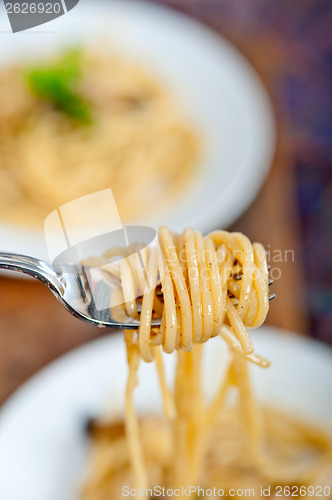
(72, 290)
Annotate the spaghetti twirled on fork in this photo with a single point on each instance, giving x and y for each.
(201, 287)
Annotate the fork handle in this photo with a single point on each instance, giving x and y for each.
(36, 268)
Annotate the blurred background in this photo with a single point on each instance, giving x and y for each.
(289, 44)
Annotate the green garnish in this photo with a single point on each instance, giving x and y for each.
(57, 84)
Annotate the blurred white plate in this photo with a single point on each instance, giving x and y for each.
(214, 84)
(43, 448)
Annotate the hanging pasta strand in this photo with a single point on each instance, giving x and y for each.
(131, 422)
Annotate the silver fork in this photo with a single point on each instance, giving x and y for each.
(71, 289)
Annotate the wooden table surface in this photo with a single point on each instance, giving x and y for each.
(35, 328)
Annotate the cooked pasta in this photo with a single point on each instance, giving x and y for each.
(137, 132)
(214, 286)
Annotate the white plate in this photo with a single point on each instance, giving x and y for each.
(213, 82)
(43, 448)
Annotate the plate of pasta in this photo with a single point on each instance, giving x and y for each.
(157, 106)
(43, 427)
